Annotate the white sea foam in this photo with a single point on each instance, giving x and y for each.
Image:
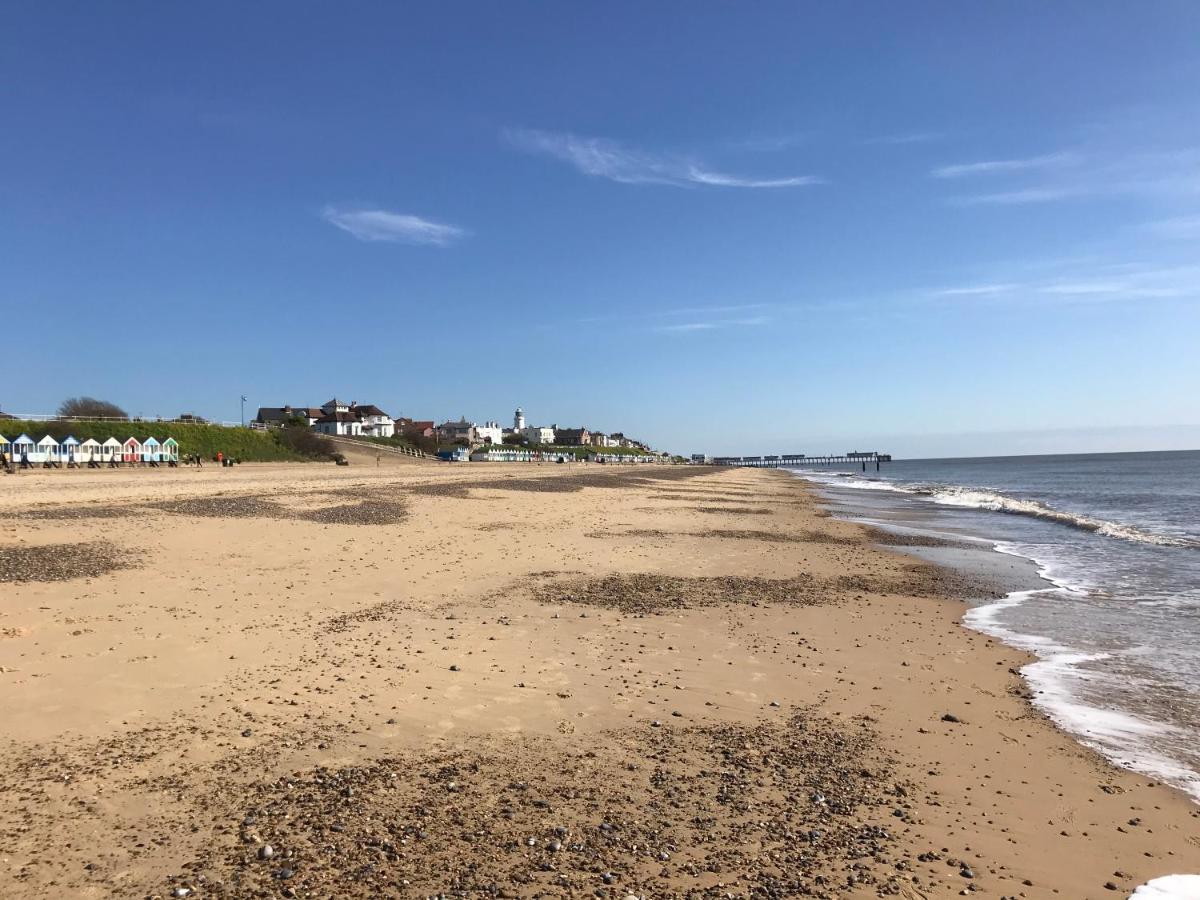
(1060, 681)
(978, 498)
(1169, 887)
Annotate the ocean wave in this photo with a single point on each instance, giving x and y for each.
(979, 498)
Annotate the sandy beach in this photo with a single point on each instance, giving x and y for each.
(415, 679)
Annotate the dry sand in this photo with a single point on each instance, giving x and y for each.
(410, 680)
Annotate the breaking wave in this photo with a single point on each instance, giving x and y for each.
(978, 498)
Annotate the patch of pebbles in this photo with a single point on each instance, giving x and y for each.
(802, 807)
(646, 593)
(365, 512)
(93, 511)
(62, 562)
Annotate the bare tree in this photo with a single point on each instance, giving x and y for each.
(90, 408)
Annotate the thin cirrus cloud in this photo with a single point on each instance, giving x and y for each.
(604, 158)
(911, 137)
(1016, 198)
(1180, 228)
(1105, 283)
(713, 324)
(381, 225)
(1003, 166)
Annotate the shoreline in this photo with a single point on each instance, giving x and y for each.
(501, 631)
(1118, 735)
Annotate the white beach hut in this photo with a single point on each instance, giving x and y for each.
(110, 451)
(70, 450)
(150, 450)
(89, 452)
(131, 451)
(49, 452)
(24, 449)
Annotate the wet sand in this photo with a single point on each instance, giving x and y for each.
(310, 681)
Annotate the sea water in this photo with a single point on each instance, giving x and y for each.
(1115, 624)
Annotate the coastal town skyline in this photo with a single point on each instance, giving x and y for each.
(903, 229)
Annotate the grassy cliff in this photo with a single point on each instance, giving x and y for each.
(240, 443)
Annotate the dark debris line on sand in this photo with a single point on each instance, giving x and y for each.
(796, 808)
(61, 562)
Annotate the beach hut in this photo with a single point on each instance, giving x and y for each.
(110, 451)
(24, 449)
(170, 451)
(70, 450)
(5, 446)
(131, 451)
(150, 450)
(49, 451)
(89, 452)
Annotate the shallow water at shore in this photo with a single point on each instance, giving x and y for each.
(1114, 617)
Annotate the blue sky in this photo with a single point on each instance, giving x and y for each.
(777, 227)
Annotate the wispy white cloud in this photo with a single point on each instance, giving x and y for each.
(1000, 166)
(713, 324)
(392, 227)
(977, 290)
(913, 137)
(1180, 228)
(1100, 283)
(603, 158)
(1015, 198)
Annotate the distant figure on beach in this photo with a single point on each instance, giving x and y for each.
(220, 458)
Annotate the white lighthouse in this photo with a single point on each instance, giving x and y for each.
(518, 420)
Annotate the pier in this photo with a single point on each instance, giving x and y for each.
(800, 459)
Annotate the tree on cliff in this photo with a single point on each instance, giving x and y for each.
(90, 408)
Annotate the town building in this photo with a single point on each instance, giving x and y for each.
(454, 432)
(572, 437)
(416, 428)
(518, 420)
(333, 417)
(489, 433)
(278, 416)
(539, 434)
(375, 422)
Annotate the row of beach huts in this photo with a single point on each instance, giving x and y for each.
(25, 451)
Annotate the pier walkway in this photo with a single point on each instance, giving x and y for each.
(800, 459)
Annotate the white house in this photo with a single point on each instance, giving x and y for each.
(489, 432)
(375, 422)
(539, 434)
(339, 423)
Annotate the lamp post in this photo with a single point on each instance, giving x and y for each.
(243, 410)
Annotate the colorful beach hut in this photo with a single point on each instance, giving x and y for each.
(150, 450)
(110, 451)
(89, 452)
(23, 449)
(70, 450)
(170, 451)
(131, 451)
(5, 447)
(49, 452)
